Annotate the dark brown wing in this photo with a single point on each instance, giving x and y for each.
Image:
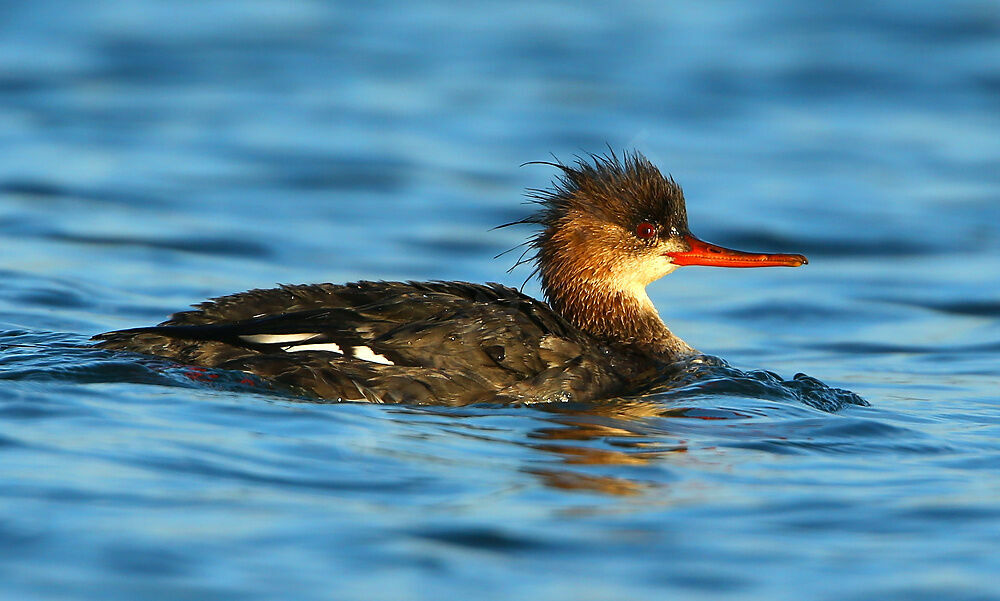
(436, 342)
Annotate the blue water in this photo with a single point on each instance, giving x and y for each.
(158, 153)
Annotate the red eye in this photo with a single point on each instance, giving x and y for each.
(645, 230)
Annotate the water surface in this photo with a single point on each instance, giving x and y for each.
(159, 153)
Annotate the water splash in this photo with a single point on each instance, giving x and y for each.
(708, 375)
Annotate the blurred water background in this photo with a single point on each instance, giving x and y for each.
(158, 153)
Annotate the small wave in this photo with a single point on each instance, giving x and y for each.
(50, 356)
(708, 375)
(219, 246)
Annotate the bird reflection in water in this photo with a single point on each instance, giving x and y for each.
(579, 438)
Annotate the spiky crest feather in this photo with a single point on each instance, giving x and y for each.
(585, 250)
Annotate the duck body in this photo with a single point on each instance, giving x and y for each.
(388, 342)
(609, 227)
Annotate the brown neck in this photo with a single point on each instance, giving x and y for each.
(611, 313)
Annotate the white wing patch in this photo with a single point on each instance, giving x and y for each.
(366, 354)
(277, 338)
(331, 347)
(288, 344)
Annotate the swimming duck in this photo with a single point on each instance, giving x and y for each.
(607, 228)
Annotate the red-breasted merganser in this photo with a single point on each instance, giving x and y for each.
(609, 226)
